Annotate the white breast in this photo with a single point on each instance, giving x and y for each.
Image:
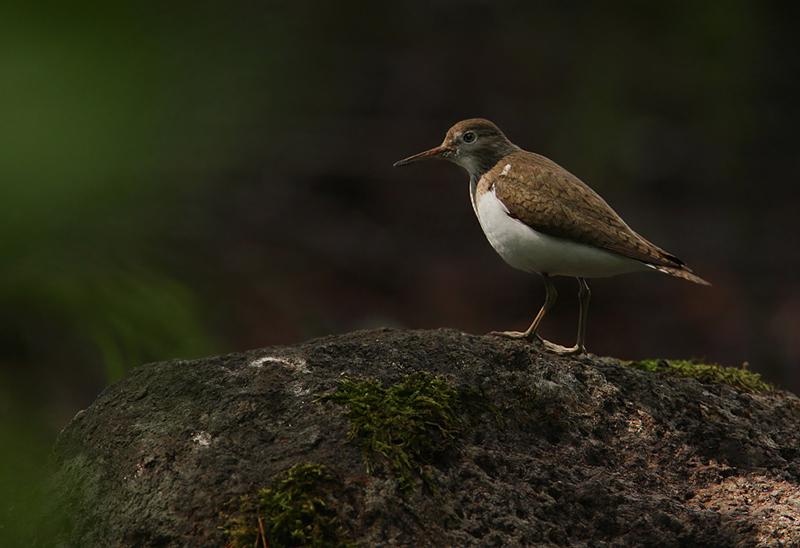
(526, 249)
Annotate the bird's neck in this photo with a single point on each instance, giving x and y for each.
(478, 164)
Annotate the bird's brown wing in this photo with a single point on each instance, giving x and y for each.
(551, 200)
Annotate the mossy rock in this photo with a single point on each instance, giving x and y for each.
(408, 423)
(742, 379)
(294, 511)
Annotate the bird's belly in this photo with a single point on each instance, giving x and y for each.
(526, 249)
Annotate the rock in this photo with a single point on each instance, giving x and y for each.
(552, 451)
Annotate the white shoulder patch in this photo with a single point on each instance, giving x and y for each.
(506, 169)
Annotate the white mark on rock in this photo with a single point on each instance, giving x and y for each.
(297, 389)
(202, 439)
(506, 169)
(298, 364)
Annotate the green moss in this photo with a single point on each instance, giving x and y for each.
(408, 424)
(294, 511)
(741, 379)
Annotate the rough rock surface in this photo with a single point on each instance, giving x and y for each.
(588, 453)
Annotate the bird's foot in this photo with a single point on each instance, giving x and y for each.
(562, 350)
(511, 334)
(546, 345)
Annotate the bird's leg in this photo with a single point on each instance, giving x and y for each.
(549, 301)
(583, 296)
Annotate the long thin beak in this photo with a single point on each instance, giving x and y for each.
(431, 154)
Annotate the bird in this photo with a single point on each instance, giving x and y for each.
(542, 219)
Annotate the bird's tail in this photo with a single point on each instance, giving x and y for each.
(680, 273)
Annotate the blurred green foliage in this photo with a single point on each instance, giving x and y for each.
(82, 187)
(24, 446)
(130, 315)
(81, 195)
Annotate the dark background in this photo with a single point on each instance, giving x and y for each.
(181, 179)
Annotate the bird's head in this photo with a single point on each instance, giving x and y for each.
(476, 144)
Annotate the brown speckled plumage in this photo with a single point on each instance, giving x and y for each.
(549, 199)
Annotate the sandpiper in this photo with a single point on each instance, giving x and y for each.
(541, 218)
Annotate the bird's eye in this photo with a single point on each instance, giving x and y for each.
(469, 137)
